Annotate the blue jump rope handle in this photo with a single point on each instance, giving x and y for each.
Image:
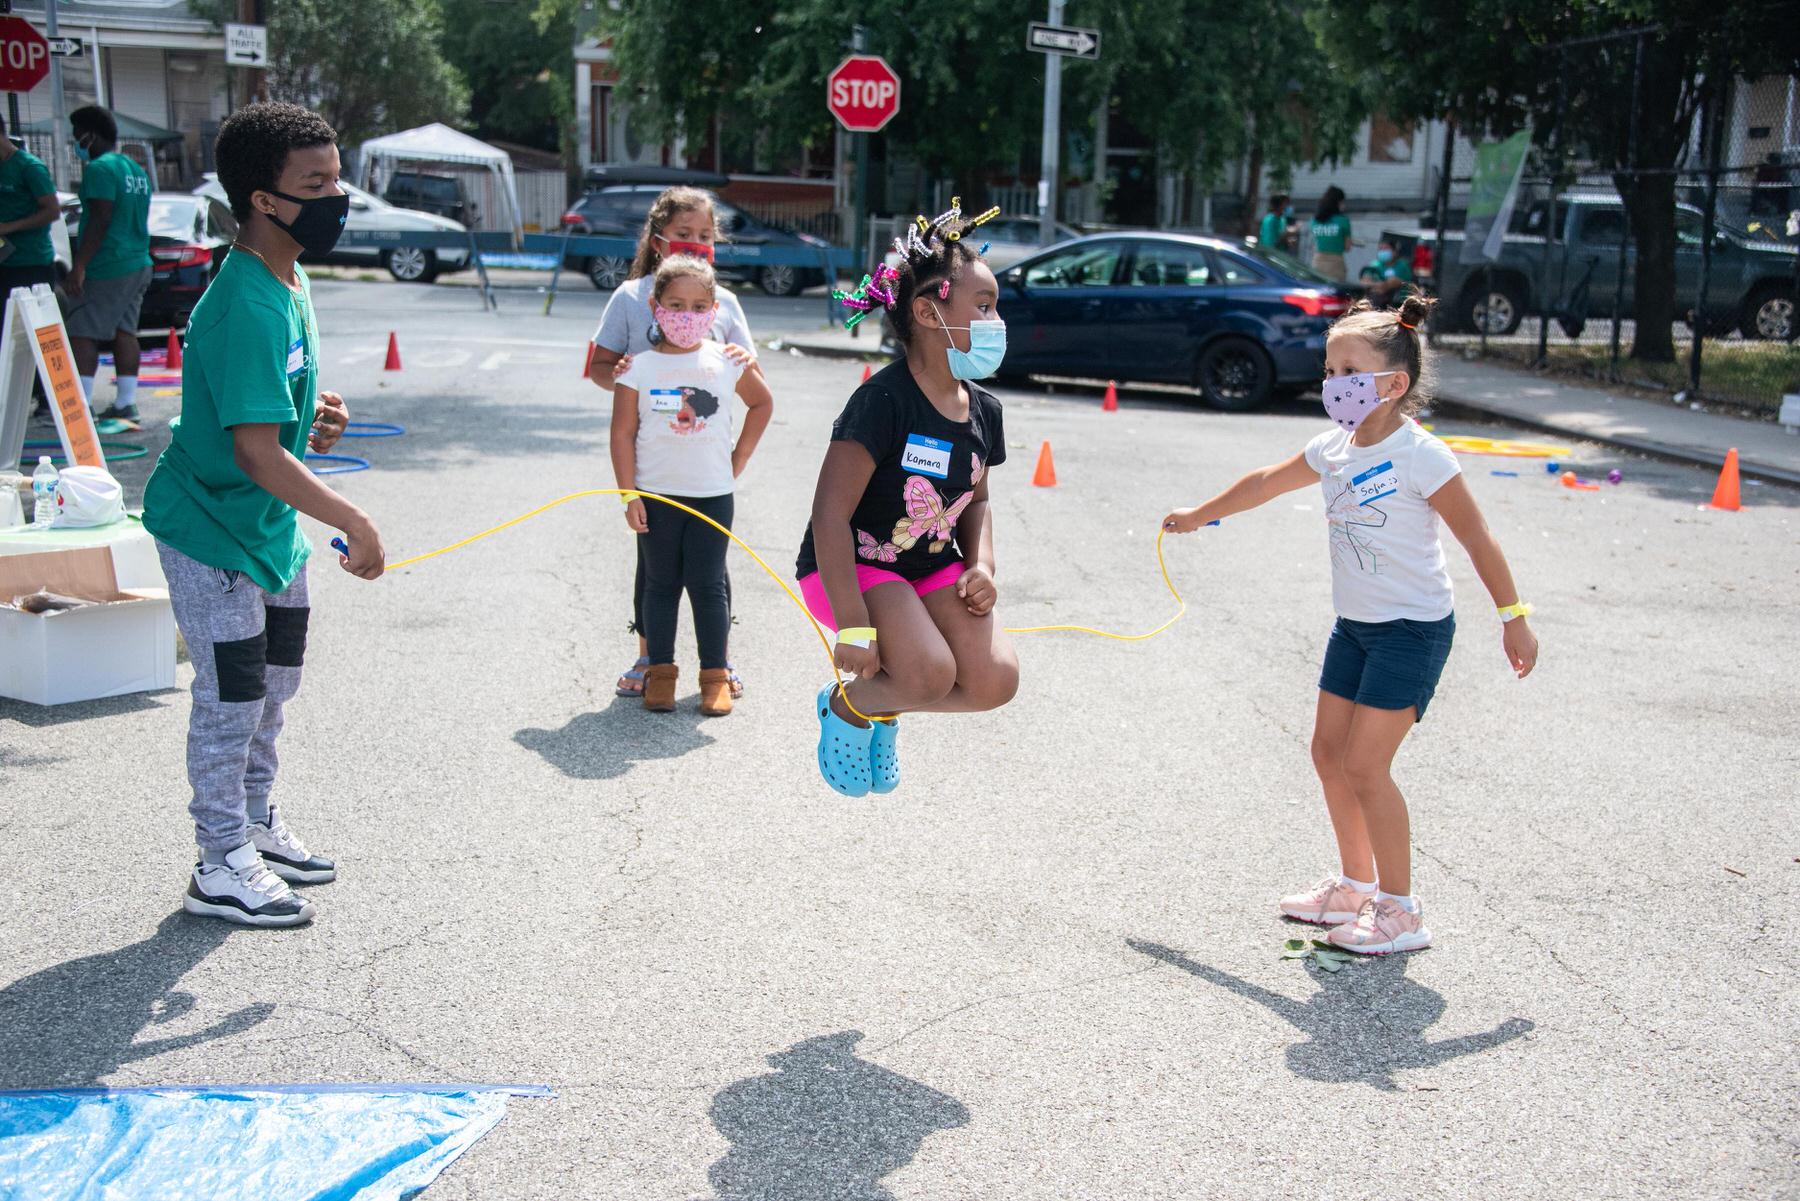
(1213, 522)
(341, 547)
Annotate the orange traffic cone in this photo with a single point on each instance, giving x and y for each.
(865, 378)
(173, 361)
(393, 359)
(1111, 403)
(1725, 494)
(1045, 475)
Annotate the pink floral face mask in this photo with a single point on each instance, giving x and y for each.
(685, 330)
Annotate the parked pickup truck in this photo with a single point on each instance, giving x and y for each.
(1750, 288)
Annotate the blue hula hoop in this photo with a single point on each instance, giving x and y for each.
(373, 429)
(339, 464)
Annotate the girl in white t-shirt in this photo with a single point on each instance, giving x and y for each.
(671, 434)
(1386, 482)
(681, 221)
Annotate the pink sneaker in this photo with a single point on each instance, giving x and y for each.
(1330, 902)
(1382, 928)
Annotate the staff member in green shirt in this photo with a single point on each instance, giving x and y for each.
(28, 208)
(1331, 235)
(1273, 232)
(223, 506)
(111, 272)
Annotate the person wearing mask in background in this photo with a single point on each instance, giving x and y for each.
(111, 271)
(28, 207)
(1388, 276)
(1331, 235)
(1273, 233)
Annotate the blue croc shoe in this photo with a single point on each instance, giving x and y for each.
(843, 750)
(884, 758)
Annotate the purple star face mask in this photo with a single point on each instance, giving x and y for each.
(1349, 399)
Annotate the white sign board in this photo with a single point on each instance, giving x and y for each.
(33, 336)
(247, 45)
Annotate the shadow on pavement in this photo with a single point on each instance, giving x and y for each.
(1355, 1035)
(604, 745)
(71, 1025)
(38, 717)
(824, 1126)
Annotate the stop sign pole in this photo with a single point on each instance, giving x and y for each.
(863, 93)
(25, 59)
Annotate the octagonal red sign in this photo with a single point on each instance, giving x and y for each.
(863, 93)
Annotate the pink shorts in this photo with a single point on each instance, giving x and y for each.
(812, 588)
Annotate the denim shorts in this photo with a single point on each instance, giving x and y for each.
(1387, 664)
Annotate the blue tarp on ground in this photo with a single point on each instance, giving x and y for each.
(321, 1144)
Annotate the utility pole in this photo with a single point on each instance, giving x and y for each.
(859, 42)
(1052, 137)
(59, 109)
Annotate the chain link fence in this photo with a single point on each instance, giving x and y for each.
(1564, 292)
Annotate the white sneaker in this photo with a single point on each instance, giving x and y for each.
(244, 891)
(286, 856)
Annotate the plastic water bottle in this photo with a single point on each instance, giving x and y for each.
(43, 492)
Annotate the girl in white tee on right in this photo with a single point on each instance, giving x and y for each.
(1386, 483)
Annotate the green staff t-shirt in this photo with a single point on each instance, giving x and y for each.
(1274, 227)
(252, 358)
(1332, 235)
(24, 180)
(126, 247)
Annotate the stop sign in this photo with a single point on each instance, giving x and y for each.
(863, 93)
(24, 55)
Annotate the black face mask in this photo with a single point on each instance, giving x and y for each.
(320, 223)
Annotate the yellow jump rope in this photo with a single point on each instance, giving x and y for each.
(819, 630)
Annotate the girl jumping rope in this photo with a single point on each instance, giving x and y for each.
(1386, 483)
(680, 222)
(899, 558)
(671, 434)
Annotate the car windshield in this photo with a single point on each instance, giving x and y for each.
(173, 217)
(1286, 263)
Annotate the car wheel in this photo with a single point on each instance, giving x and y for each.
(1769, 315)
(1497, 310)
(1234, 374)
(608, 273)
(778, 280)
(411, 264)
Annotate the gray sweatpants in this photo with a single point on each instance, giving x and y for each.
(246, 646)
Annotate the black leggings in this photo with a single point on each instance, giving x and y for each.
(642, 581)
(682, 552)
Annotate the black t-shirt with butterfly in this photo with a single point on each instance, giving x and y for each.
(926, 469)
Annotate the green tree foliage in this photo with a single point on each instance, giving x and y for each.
(515, 55)
(1497, 68)
(370, 66)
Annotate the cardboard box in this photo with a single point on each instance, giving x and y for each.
(123, 643)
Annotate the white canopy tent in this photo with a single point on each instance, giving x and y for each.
(438, 143)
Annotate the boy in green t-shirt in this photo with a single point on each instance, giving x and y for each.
(111, 270)
(1387, 274)
(222, 505)
(28, 208)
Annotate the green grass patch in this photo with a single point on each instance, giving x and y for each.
(1754, 375)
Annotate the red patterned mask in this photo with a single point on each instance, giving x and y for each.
(699, 250)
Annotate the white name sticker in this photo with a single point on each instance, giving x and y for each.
(665, 400)
(297, 357)
(927, 456)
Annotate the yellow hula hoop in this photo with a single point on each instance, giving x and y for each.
(799, 603)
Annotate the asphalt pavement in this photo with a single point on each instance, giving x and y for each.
(1048, 967)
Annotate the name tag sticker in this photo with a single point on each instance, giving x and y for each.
(665, 400)
(927, 456)
(1375, 483)
(297, 357)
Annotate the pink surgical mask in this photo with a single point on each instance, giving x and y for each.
(1349, 399)
(686, 330)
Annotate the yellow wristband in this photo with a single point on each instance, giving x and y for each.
(1508, 612)
(628, 497)
(856, 636)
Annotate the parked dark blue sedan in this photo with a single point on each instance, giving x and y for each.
(1234, 320)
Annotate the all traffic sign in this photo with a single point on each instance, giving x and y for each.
(24, 55)
(863, 93)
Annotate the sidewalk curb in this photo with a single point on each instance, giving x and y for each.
(1646, 446)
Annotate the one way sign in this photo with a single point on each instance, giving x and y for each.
(1066, 40)
(247, 45)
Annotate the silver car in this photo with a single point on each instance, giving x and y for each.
(408, 264)
(1014, 239)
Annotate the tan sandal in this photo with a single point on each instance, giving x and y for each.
(659, 687)
(715, 691)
